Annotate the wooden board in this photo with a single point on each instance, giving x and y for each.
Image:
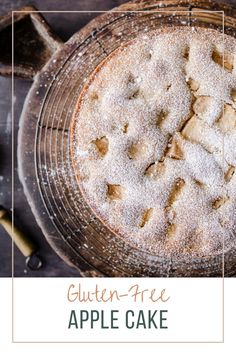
(44, 159)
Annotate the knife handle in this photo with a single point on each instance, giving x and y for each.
(25, 245)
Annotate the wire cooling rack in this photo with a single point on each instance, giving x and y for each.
(67, 210)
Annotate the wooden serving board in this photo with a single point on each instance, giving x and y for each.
(44, 157)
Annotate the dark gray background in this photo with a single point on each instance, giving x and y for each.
(64, 24)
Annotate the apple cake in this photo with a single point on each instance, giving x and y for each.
(153, 142)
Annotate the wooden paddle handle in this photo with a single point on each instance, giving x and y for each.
(33, 32)
(25, 245)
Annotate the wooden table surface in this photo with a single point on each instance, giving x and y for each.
(64, 24)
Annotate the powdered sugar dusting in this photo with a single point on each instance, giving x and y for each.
(136, 102)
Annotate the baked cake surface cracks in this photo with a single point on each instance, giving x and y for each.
(153, 142)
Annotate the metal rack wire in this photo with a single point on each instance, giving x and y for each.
(72, 217)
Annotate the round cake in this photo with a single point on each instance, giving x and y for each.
(153, 142)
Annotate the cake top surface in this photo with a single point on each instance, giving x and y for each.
(153, 142)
